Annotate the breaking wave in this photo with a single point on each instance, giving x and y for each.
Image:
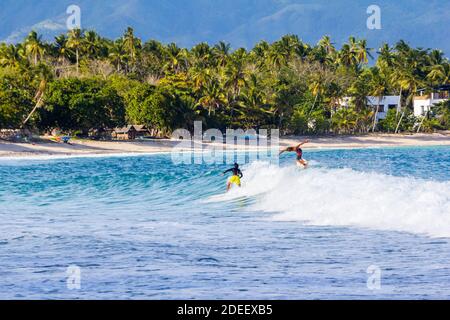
(344, 197)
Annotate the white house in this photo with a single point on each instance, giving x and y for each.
(384, 104)
(424, 101)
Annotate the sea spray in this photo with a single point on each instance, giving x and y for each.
(344, 197)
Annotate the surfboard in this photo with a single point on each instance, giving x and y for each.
(302, 166)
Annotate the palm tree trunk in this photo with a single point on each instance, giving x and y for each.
(314, 103)
(399, 103)
(401, 118)
(400, 121)
(78, 62)
(38, 103)
(421, 123)
(280, 121)
(376, 115)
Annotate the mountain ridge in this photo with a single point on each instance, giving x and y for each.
(240, 22)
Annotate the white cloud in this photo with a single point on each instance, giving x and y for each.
(44, 27)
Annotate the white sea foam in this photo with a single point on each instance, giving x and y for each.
(31, 158)
(344, 197)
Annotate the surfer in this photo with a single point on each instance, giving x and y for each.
(235, 178)
(297, 149)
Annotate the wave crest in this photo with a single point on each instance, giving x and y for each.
(344, 197)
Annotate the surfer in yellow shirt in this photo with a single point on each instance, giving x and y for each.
(235, 178)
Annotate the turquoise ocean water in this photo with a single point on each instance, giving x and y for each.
(139, 227)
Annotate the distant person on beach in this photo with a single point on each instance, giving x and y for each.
(297, 149)
(235, 178)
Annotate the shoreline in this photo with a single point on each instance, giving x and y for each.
(87, 148)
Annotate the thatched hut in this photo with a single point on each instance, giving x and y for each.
(125, 133)
(141, 130)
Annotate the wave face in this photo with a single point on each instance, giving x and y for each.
(344, 197)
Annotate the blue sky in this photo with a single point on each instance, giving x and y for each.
(240, 22)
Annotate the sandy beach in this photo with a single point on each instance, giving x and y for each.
(86, 147)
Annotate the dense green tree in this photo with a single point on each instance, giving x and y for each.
(286, 84)
(81, 105)
(16, 99)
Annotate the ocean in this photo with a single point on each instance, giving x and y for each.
(358, 224)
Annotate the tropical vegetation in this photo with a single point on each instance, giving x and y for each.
(82, 82)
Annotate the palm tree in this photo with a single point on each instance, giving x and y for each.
(379, 86)
(409, 73)
(326, 43)
(34, 47)
(410, 83)
(354, 48)
(363, 52)
(438, 70)
(75, 42)
(154, 47)
(385, 57)
(199, 77)
(282, 51)
(235, 75)
(345, 120)
(60, 48)
(326, 52)
(346, 56)
(201, 55)
(259, 53)
(365, 116)
(316, 87)
(117, 54)
(11, 56)
(131, 45)
(176, 58)
(212, 97)
(300, 49)
(44, 74)
(221, 52)
(92, 43)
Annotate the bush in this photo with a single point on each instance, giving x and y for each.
(16, 101)
(82, 104)
(431, 125)
(345, 120)
(307, 121)
(299, 122)
(389, 124)
(408, 124)
(442, 113)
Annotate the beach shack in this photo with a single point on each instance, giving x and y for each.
(125, 133)
(100, 133)
(141, 131)
(15, 135)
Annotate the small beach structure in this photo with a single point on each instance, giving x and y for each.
(141, 130)
(125, 133)
(15, 134)
(100, 133)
